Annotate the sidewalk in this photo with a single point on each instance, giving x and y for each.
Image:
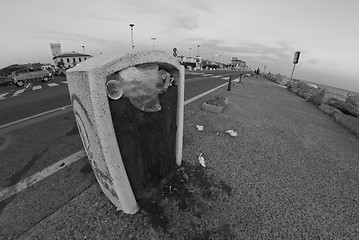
(291, 173)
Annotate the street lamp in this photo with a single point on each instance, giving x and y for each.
(190, 52)
(132, 25)
(153, 40)
(198, 50)
(83, 49)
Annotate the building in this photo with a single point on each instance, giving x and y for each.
(55, 49)
(69, 60)
(239, 64)
(193, 62)
(66, 60)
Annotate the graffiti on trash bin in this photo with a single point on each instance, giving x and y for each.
(84, 124)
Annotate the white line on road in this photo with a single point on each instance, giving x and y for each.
(203, 94)
(34, 116)
(52, 84)
(64, 82)
(27, 182)
(2, 96)
(18, 92)
(225, 78)
(218, 76)
(36, 88)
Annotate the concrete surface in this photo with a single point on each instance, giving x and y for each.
(291, 173)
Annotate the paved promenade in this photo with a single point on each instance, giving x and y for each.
(291, 173)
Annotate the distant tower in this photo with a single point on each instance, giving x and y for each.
(55, 49)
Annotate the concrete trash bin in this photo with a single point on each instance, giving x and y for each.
(129, 112)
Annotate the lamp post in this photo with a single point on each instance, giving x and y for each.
(190, 51)
(153, 40)
(198, 50)
(132, 25)
(83, 49)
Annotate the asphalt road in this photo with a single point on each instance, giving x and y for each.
(27, 150)
(34, 100)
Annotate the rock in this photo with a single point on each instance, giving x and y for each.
(295, 88)
(353, 99)
(307, 90)
(326, 94)
(282, 81)
(271, 77)
(349, 122)
(291, 84)
(345, 107)
(329, 109)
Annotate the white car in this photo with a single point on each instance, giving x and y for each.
(20, 77)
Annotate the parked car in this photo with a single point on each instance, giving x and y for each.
(20, 77)
(4, 80)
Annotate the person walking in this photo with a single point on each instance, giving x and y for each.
(257, 72)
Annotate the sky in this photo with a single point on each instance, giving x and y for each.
(260, 32)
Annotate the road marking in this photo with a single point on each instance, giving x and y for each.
(27, 182)
(64, 82)
(207, 75)
(225, 78)
(2, 96)
(36, 88)
(52, 84)
(34, 116)
(194, 73)
(18, 92)
(218, 76)
(203, 94)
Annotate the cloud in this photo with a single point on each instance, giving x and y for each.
(97, 17)
(185, 20)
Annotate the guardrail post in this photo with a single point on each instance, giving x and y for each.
(229, 83)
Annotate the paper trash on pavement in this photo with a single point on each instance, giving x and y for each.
(199, 127)
(201, 160)
(232, 133)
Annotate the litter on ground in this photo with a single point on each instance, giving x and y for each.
(199, 127)
(232, 133)
(201, 160)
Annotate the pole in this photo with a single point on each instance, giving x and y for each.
(229, 83)
(153, 40)
(83, 49)
(132, 25)
(198, 50)
(291, 77)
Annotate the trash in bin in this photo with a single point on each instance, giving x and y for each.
(129, 112)
(145, 123)
(141, 84)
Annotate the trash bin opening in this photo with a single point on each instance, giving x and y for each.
(142, 84)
